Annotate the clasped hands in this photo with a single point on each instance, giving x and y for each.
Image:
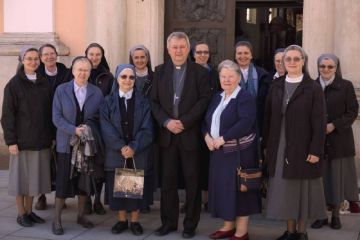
(127, 152)
(175, 126)
(212, 143)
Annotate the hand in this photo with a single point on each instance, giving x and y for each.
(312, 159)
(329, 128)
(79, 130)
(13, 149)
(175, 126)
(218, 142)
(127, 152)
(209, 142)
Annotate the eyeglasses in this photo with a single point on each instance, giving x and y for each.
(330, 67)
(131, 77)
(202, 52)
(31, 59)
(295, 59)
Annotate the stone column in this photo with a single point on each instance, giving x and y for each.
(347, 38)
(318, 30)
(146, 26)
(106, 25)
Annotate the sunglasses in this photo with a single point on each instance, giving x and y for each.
(202, 52)
(131, 77)
(295, 59)
(330, 67)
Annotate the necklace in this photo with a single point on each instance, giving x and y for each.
(287, 96)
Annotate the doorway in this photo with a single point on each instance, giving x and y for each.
(268, 25)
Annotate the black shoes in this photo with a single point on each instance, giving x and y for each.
(57, 229)
(335, 223)
(288, 236)
(188, 233)
(35, 218)
(119, 227)
(24, 220)
(41, 203)
(99, 208)
(319, 223)
(164, 230)
(84, 222)
(136, 228)
(302, 236)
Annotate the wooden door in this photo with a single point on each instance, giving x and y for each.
(204, 20)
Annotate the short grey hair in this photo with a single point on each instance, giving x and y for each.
(178, 35)
(231, 65)
(303, 55)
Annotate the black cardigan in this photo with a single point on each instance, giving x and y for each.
(26, 112)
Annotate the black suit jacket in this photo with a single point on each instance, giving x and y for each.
(193, 103)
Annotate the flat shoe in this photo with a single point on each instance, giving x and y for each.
(188, 234)
(319, 223)
(244, 237)
(57, 229)
(222, 234)
(35, 218)
(164, 230)
(84, 222)
(288, 236)
(119, 227)
(136, 228)
(24, 221)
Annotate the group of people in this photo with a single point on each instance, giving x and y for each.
(186, 118)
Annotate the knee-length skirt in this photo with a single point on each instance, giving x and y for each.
(29, 173)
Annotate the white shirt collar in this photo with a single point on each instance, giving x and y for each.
(126, 95)
(232, 96)
(245, 73)
(77, 87)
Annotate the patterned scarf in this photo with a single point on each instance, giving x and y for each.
(251, 85)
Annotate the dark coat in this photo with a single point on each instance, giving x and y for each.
(305, 126)
(26, 112)
(102, 78)
(64, 112)
(342, 110)
(112, 132)
(238, 118)
(61, 77)
(214, 81)
(263, 89)
(194, 100)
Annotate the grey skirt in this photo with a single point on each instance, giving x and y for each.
(29, 173)
(340, 180)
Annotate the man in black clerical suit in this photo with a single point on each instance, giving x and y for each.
(179, 98)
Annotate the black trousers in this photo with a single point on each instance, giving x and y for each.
(170, 158)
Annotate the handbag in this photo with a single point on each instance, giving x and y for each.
(128, 182)
(249, 179)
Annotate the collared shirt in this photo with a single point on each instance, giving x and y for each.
(80, 93)
(245, 73)
(215, 120)
(276, 75)
(126, 95)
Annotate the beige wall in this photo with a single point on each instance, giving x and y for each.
(1, 16)
(70, 24)
(337, 31)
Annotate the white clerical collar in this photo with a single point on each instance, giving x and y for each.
(51, 73)
(294, 79)
(126, 95)
(31, 77)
